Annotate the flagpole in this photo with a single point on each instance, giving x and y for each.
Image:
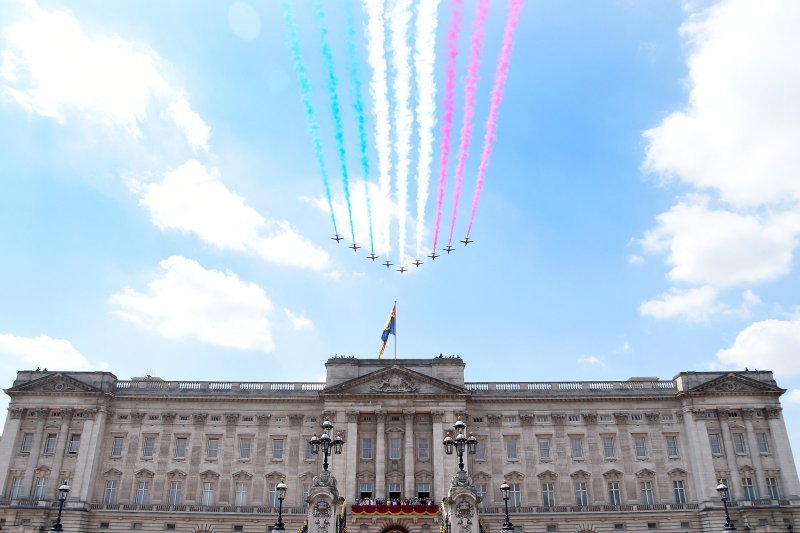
(395, 330)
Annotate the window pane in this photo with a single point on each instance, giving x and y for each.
(277, 448)
(241, 494)
(423, 449)
(772, 487)
(116, 448)
(608, 447)
(716, 446)
(763, 443)
(581, 494)
(110, 494)
(641, 446)
(544, 449)
(74, 443)
(511, 449)
(515, 495)
(672, 446)
(647, 492)
(480, 451)
(180, 448)
(614, 495)
(576, 444)
(50, 443)
(207, 497)
(244, 448)
(749, 490)
(27, 443)
(394, 448)
(548, 495)
(738, 443)
(213, 448)
(143, 492)
(366, 448)
(175, 492)
(149, 446)
(680, 491)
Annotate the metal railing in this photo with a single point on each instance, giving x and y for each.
(659, 387)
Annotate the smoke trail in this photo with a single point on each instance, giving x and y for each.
(469, 101)
(376, 57)
(500, 76)
(449, 106)
(305, 93)
(424, 61)
(358, 105)
(327, 55)
(399, 19)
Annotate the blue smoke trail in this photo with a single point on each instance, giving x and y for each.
(358, 105)
(335, 111)
(305, 93)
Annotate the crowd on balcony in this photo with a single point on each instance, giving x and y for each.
(394, 501)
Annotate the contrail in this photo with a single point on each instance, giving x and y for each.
(399, 19)
(469, 101)
(376, 56)
(424, 62)
(500, 76)
(358, 105)
(327, 55)
(305, 93)
(449, 106)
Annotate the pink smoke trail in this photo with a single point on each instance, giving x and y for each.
(469, 101)
(449, 106)
(500, 76)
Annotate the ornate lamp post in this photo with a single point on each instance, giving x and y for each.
(460, 443)
(63, 492)
(723, 493)
(327, 444)
(280, 488)
(505, 490)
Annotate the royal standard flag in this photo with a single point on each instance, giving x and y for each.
(389, 329)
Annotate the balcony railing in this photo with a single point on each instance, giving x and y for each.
(593, 508)
(150, 387)
(624, 387)
(255, 509)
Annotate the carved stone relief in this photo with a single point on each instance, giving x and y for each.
(394, 383)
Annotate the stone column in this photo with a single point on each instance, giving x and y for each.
(380, 455)
(89, 453)
(700, 459)
(61, 447)
(783, 453)
(36, 449)
(408, 456)
(324, 504)
(734, 479)
(9, 444)
(438, 490)
(755, 455)
(351, 457)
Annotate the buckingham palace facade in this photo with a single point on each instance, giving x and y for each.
(601, 456)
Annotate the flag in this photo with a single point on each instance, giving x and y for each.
(389, 329)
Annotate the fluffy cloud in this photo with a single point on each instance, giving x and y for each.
(794, 396)
(299, 322)
(591, 360)
(772, 344)
(697, 304)
(187, 301)
(194, 199)
(45, 352)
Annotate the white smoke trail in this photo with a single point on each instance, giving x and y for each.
(424, 62)
(376, 57)
(399, 22)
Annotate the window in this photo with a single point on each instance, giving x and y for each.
(142, 492)
(542, 418)
(614, 494)
(686, 525)
(738, 443)
(763, 521)
(480, 451)
(40, 488)
(74, 443)
(514, 495)
(366, 448)
(551, 528)
(641, 446)
(619, 527)
(238, 528)
(277, 449)
(183, 418)
(149, 446)
(137, 525)
(217, 418)
(175, 492)
(544, 449)
(395, 491)
(245, 445)
(169, 527)
(423, 490)
(272, 495)
(679, 490)
(763, 443)
(308, 451)
(511, 449)
(207, 496)
(365, 490)
(481, 489)
(636, 418)
(548, 495)
(581, 493)
(394, 448)
(672, 445)
(652, 525)
(180, 447)
(772, 488)
(608, 447)
(749, 490)
(116, 446)
(666, 418)
(248, 419)
(27, 443)
(105, 525)
(711, 414)
(306, 493)
(16, 488)
(423, 449)
(733, 414)
(576, 445)
(510, 419)
(574, 418)
(477, 419)
(212, 448)
(50, 443)
(605, 418)
(647, 492)
(241, 494)
(716, 445)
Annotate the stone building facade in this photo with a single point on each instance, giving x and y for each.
(601, 456)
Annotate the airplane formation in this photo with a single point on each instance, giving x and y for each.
(372, 256)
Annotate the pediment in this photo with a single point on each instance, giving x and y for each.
(547, 474)
(394, 380)
(579, 474)
(56, 383)
(144, 472)
(242, 474)
(734, 383)
(613, 473)
(176, 473)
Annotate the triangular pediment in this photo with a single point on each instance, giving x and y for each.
(735, 383)
(56, 383)
(394, 380)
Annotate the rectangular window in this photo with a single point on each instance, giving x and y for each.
(542, 418)
(423, 490)
(680, 491)
(641, 446)
(74, 443)
(137, 525)
(581, 493)
(574, 418)
(672, 445)
(738, 443)
(50, 443)
(772, 487)
(365, 490)
(515, 495)
(272, 495)
(544, 449)
(481, 490)
(716, 445)
(306, 493)
(480, 451)
(395, 491)
(149, 446)
(180, 447)
(608, 448)
(245, 445)
(366, 448)
(27, 443)
(511, 419)
(576, 445)
(175, 492)
(308, 451)
(511, 449)
(207, 496)
(605, 418)
(394, 448)
(636, 418)
(16, 488)
(241, 494)
(423, 449)
(277, 449)
(142, 492)
(647, 492)
(548, 495)
(116, 446)
(212, 447)
(40, 488)
(614, 494)
(749, 489)
(110, 494)
(763, 443)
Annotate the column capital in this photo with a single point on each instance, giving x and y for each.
(527, 419)
(653, 418)
(231, 418)
(138, 416)
(199, 418)
(168, 418)
(263, 419)
(409, 414)
(351, 416)
(590, 418)
(773, 412)
(437, 416)
(380, 416)
(17, 413)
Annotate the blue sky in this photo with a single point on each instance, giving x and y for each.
(162, 211)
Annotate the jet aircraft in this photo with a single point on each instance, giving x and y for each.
(433, 256)
(467, 240)
(337, 238)
(416, 263)
(402, 269)
(387, 263)
(372, 256)
(448, 249)
(355, 247)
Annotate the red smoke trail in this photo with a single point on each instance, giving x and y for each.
(469, 101)
(514, 9)
(449, 105)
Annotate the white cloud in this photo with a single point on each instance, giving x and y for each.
(772, 344)
(187, 301)
(634, 259)
(45, 352)
(696, 305)
(794, 396)
(591, 360)
(194, 199)
(299, 322)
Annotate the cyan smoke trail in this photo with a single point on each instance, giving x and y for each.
(424, 62)
(376, 56)
(449, 106)
(355, 82)
(305, 94)
(469, 101)
(500, 76)
(327, 56)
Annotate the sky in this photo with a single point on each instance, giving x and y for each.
(164, 211)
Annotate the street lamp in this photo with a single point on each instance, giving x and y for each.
(63, 491)
(325, 443)
(505, 490)
(280, 488)
(723, 493)
(460, 443)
